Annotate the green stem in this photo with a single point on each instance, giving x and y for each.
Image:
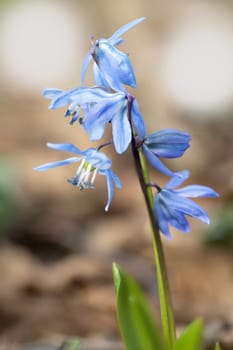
(166, 309)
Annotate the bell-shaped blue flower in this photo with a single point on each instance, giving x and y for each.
(99, 107)
(93, 162)
(114, 65)
(171, 206)
(166, 143)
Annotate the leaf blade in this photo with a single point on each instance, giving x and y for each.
(136, 323)
(191, 338)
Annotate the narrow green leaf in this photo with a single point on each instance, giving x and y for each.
(137, 325)
(191, 338)
(217, 346)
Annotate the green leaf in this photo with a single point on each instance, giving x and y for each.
(191, 338)
(217, 346)
(137, 325)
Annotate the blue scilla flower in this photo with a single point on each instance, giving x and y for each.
(99, 106)
(171, 206)
(93, 162)
(166, 143)
(114, 65)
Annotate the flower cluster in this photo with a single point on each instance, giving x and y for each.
(108, 101)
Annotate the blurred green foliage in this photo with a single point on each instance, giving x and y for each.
(8, 185)
(71, 344)
(221, 232)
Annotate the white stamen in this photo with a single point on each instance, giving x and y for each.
(93, 178)
(80, 167)
(87, 175)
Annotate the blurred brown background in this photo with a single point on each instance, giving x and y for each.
(57, 244)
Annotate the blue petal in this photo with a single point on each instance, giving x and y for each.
(66, 147)
(169, 136)
(179, 221)
(81, 96)
(155, 162)
(98, 160)
(196, 191)
(47, 166)
(51, 92)
(124, 29)
(117, 181)
(161, 217)
(168, 143)
(116, 42)
(86, 63)
(98, 115)
(110, 187)
(98, 76)
(177, 179)
(121, 130)
(62, 99)
(138, 120)
(174, 217)
(184, 205)
(114, 65)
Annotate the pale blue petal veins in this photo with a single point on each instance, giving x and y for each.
(179, 221)
(170, 216)
(98, 115)
(184, 205)
(114, 65)
(168, 143)
(121, 130)
(81, 96)
(171, 206)
(195, 191)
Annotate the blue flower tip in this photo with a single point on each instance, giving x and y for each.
(36, 169)
(205, 219)
(168, 236)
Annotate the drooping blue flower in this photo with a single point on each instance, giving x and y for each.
(171, 206)
(166, 143)
(93, 162)
(114, 65)
(99, 107)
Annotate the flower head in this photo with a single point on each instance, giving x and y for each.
(99, 107)
(93, 162)
(171, 206)
(114, 65)
(166, 143)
